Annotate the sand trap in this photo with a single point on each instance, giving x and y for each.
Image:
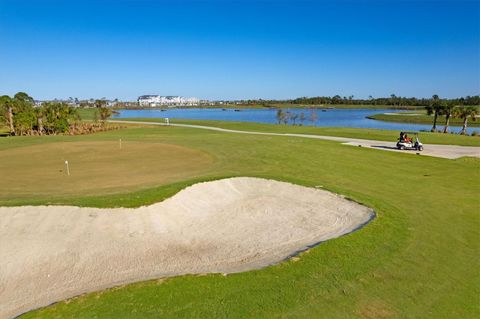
(50, 253)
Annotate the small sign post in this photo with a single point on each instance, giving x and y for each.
(68, 168)
(167, 121)
(120, 143)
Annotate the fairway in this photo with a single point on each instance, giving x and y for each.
(99, 166)
(444, 151)
(417, 259)
(360, 133)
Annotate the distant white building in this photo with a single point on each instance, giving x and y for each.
(170, 101)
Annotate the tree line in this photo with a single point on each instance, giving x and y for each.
(23, 117)
(392, 100)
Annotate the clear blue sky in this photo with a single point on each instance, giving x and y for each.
(239, 49)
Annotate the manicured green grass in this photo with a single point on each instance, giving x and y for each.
(96, 167)
(371, 134)
(417, 259)
(421, 117)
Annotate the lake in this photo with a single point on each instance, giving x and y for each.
(329, 117)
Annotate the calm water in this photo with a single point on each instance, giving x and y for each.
(330, 117)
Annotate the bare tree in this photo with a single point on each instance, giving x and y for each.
(313, 117)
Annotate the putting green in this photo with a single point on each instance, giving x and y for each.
(95, 167)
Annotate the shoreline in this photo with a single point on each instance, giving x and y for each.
(421, 120)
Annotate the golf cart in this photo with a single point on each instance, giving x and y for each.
(405, 142)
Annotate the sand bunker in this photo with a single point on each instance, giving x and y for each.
(50, 253)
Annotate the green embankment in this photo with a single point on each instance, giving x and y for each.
(417, 259)
(421, 117)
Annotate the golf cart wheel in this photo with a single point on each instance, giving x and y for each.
(420, 148)
(402, 147)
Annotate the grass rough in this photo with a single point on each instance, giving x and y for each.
(417, 259)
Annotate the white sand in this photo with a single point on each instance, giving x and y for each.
(50, 253)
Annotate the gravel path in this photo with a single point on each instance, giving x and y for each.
(51, 253)
(444, 151)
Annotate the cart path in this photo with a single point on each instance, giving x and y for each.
(443, 151)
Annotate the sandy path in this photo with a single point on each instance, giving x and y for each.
(50, 253)
(444, 151)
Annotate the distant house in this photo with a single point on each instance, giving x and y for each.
(170, 101)
(112, 103)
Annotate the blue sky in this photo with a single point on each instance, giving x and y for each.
(239, 49)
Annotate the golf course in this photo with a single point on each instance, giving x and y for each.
(418, 258)
(254, 159)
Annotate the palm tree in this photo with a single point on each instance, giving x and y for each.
(57, 116)
(434, 108)
(6, 109)
(464, 112)
(39, 114)
(105, 113)
(448, 110)
(20, 114)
